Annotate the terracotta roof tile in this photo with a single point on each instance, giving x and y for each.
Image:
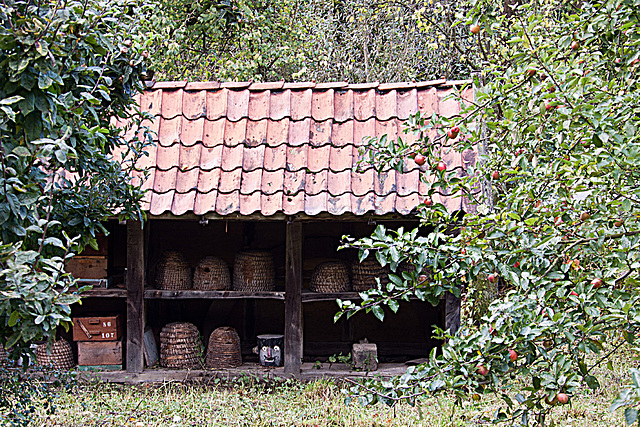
(151, 102)
(320, 133)
(299, 132)
(300, 104)
(253, 158)
(318, 158)
(202, 86)
(171, 103)
(386, 105)
(217, 104)
(407, 103)
(256, 133)
(288, 147)
(339, 183)
(343, 105)
(213, 132)
(364, 104)
(205, 202)
(250, 203)
(258, 105)
(235, 132)
(192, 131)
(183, 203)
(194, 104)
(322, 105)
(280, 105)
(342, 134)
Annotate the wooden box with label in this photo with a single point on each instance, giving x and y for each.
(98, 328)
(106, 353)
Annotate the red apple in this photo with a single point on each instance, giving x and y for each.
(585, 143)
(562, 398)
(548, 106)
(453, 132)
(428, 202)
(495, 175)
(597, 282)
(422, 278)
(575, 45)
(475, 29)
(617, 61)
(513, 356)
(585, 216)
(574, 293)
(516, 265)
(520, 151)
(493, 278)
(419, 159)
(442, 166)
(531, 72)
(634, 62)
(619, 223)
(482, 370)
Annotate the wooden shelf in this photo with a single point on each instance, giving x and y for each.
(105, 293)
(190, 294)
(310, 296)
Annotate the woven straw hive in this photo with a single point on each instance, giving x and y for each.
(58, 356)
(211, 274)
(364, 274)
(173, 272)
(180, 346)
(224, 350)
(332, 276)
(253, 271)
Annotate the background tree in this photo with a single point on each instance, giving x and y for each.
(67, 71)
(321, 40)
(556, 124)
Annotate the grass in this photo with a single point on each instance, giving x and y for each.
(248, 402)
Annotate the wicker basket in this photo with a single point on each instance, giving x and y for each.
(224, 349)
(180, 346)
(58, 356)
(330, 276)
(211, 274)
(253, 271)
(173, 272)
(365, 273)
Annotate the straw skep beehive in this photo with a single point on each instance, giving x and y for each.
(211, 274)
(332, 276)
(172, 272)
(180, 346)
(224, 349)
(253, 271)
(365, 273)
(58, 356)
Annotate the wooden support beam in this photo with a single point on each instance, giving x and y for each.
(293, 300)
(135, 297)
(452, 313)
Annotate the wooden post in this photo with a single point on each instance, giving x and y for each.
(135, 296)
(293, 300)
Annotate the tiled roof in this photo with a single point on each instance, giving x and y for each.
(285, 147)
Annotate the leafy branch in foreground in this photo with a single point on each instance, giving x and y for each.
(554, 129)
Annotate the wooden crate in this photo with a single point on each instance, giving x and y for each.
(100, 353)
(87, 267)
(98, 328)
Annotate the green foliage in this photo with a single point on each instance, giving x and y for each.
(321, 40)
(24, 394)
(556, 189)
(68, 70)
